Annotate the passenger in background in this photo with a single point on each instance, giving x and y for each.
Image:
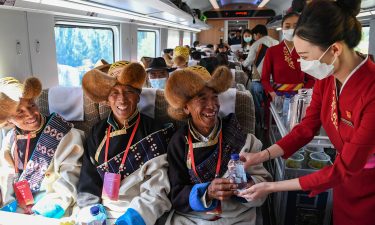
(180, 57)
(40, 157)
(199, 152)
(222, 59)
(247, 41)
(254, 62)
(195, 44)
(209, 50)
(145, 61)
(209, 63)
(280, 64)
(237, 39)
(179, 62)
(222, 48)
(168, 56)
(196, 56)
(124, 165)
(343, 102)
(157, 73)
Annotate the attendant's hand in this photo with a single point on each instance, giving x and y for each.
(273, 95)
(251, 159)
(256, 191)
(221, 189)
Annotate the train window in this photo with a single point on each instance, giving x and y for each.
(173, 38)
(146, 44)
(365, 41)
(187, 38)
(78, 48)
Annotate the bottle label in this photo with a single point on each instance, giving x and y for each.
(111, 186)
(23, 193)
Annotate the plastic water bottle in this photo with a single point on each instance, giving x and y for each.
(237, 171)
(278, 102)
(286, 107)
(99, 218)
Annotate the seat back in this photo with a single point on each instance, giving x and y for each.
(244, 110)
(90, 108)
(94, 112)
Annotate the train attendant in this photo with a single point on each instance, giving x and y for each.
(124, 166)
(198, 153)
(40, 155)
(343, 102)
(281, 64)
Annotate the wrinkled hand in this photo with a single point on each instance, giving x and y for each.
(221, 189)
(257, 191)
(250, 159)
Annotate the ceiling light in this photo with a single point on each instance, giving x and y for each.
(101, 9)
(263, 3)
(362, 14)
(279, 28)
(214, 4)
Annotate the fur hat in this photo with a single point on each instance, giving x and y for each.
(181, 51)
(185, 84)
(97, 85)
(102, 65)
(11, 91)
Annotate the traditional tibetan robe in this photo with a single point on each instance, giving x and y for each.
(144, 180)
(348, 116)
(52, 169)
(188, 192)
(280, 65)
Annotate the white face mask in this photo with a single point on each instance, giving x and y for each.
(158, 83)
(288, 34)
(317, 69)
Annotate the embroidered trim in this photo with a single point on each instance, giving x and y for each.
(149, 147)
(287, 57)
(334, 116)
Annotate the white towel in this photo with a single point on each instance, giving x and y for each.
(227, 102)
(146, 104)
(67, 102)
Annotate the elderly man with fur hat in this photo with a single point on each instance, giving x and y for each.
(40, 155)
(199, 152)
(124, 169)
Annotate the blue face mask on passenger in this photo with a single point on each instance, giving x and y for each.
(158, 83)
(247, 39)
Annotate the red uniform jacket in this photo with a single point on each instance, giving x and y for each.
(349, 120)
(284, 68)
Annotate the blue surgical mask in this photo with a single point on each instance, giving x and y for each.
(158, 83)
(247, 39)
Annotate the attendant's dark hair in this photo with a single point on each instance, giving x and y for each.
(325, 22)
(289, 15)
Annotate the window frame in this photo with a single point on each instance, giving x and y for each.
(113, 28)
(179, 38)
(157, 38)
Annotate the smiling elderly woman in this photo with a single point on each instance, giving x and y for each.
(40, 155)
(199, 152)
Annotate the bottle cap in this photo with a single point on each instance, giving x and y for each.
(94, 210)
(235, 156)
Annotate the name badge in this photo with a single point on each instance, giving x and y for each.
(23, 193)
(111, 186)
